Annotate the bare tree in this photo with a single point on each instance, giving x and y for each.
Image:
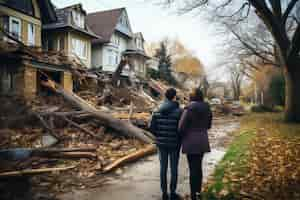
(276, 15)
(236, 77)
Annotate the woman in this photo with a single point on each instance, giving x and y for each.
(194, 123)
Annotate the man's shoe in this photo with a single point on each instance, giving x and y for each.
(199, 196)
(175, 196)
(196, 196)
(165, 196)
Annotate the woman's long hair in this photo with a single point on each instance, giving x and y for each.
(196, 95)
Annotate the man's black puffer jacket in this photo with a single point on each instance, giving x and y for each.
(164, 125)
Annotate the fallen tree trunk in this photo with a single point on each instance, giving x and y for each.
(123, 127)
(33, 171)
(130, 158)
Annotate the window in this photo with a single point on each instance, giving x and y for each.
(79, 48)
(31, 34)
(15, 27)
(115, 40)
(60, 44)
(139, 43)
(123, 20)
(78, 18)
(113, 58)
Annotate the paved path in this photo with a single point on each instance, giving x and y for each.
(140, 181)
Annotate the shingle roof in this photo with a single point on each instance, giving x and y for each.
(103, 23)
(64, 21)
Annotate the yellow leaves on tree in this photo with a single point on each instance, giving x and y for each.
(183, 59)
(189, 65)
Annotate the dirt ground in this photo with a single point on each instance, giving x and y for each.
(141, 180)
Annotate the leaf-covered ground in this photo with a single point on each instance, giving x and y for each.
(263, 162)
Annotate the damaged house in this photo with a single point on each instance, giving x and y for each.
(117, 40)
(24, 64)
(70, 34)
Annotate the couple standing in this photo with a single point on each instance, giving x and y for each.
(173, 128)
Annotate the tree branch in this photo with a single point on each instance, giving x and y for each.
(288, 10)
(277, 10)
(295, 47)
(274, 26)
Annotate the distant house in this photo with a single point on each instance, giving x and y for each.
(136, 52)
(23, 62)
(117, 40)
(153, 64)
(70, 34)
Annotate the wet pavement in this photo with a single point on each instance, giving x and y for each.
(141, 179)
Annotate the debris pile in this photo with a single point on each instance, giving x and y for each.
(62, 140)
(56, 123)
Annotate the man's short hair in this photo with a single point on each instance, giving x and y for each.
(170, 94)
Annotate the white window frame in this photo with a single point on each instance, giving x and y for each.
(78, 19)
(31, 38)
(11, 19)
(79, 48)
(112, 57)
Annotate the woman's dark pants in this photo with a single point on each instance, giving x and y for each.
(195, 166)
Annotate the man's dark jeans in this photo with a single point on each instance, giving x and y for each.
(164, 155)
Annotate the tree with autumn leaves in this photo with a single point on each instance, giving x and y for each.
(281, 19)
(177, 60)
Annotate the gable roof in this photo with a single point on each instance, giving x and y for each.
(104, 23)
(48, 14)
(64, 21)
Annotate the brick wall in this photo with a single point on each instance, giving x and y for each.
(67, 81)
(30, 82)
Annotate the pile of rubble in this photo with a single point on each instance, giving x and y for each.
(97, 147)
(57, 147)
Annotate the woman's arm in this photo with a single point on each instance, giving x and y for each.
(183, 122)
(210, 117)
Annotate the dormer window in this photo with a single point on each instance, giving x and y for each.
(78, 19)
(123, 20)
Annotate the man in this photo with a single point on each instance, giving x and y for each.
(164, 126)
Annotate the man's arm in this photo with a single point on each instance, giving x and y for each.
(152, 124)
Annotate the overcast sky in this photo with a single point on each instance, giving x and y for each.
(156, 22)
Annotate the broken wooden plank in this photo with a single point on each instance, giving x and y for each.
(74, 155)
(150, 149)
(45, 125)
(29, 172)
(80, 128)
